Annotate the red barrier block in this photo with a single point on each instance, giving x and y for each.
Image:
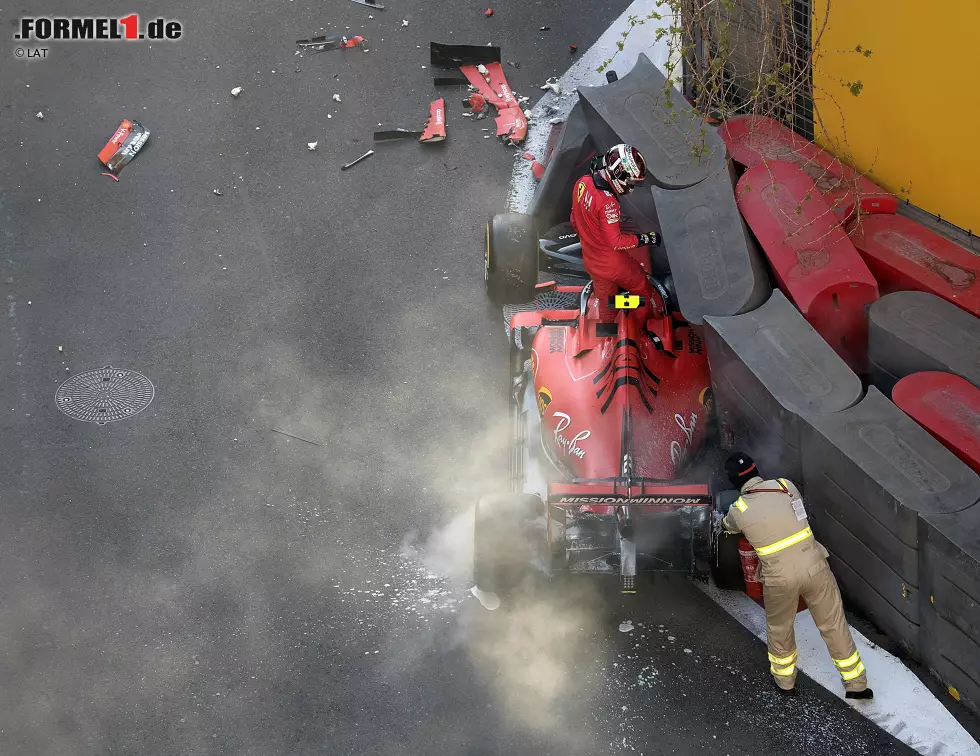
(814, 261)
(948, 407)
(752, 139)
(906, 256)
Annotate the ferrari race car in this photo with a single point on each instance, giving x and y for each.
(610, 423)
(615, 466)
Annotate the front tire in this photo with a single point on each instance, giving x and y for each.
(510, 270)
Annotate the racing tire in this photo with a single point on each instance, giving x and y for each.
(510, 269)
(508, 535)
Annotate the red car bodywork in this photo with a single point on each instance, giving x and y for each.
(621, 415)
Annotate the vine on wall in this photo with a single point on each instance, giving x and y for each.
(751, 57)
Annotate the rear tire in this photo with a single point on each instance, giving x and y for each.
(510, 270)
(506, 539)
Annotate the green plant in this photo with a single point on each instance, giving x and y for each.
(746, 57)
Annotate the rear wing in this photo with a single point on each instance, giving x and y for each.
(643, 496)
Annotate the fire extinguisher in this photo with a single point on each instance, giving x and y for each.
(750, 566)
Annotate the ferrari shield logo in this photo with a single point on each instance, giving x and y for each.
(544, 399)
(579, 191)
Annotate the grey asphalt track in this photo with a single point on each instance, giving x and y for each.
(272, 558)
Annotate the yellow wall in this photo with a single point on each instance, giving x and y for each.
(917, 120)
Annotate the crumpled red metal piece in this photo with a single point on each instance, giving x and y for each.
(435, 127)
(128, 139)
(331, 42)
(512, 125)
(537, 170)
(477, 102)
(492, 86)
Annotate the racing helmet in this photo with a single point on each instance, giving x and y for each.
(622, 167)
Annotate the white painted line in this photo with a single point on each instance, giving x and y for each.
(583, 73)
(902, 706)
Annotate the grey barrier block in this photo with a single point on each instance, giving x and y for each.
(769, 367)
(717, 270)
(949, 548)
(869, 472)
(912, 332)
(552, 200)
(633, 110)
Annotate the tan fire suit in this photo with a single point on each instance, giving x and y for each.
(771, 515)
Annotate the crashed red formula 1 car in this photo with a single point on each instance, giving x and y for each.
(615, 466)
(611, 423)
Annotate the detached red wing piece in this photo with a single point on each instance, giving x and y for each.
(332, 42)
(498, 83)
(752, 139)
(435, 127)
(123, 146)
(512, 125)
(493, 87)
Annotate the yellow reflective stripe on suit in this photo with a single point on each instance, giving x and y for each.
(740, 505)
(783, 671)
(782, 660)
(792, 540)
(850, 661)
(856, 672)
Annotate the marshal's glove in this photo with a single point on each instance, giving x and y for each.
(648, 239)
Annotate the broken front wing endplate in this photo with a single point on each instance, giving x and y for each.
(123, 146)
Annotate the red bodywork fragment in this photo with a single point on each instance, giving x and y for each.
(435, 127)
(537, 170)
(477, 102)
(332, 42)
(512, 125)
(493, 87)
(488, 12)
(123, 146)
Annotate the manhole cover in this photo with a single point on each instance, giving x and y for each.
(105, 395)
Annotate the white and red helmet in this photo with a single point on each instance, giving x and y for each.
(623, 167)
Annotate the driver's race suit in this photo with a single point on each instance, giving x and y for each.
(596, 218)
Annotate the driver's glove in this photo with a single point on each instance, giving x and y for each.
(648, 239)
